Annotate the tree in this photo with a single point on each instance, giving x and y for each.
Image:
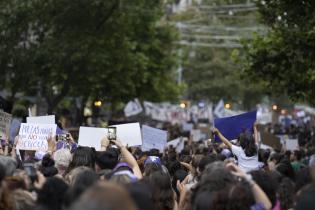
(284, 58)
(113, 49)
(210, 35)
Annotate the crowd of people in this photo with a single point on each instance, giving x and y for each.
(205, 175)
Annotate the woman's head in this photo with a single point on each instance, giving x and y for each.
(233, 197)
(105, 196)
(247, 142)
(52, 194)
(82, 181)
(83, 156)
(163, 195)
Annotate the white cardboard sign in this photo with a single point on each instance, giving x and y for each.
(91, 137)
(34, 136)
(153, 138)
(129, 134)
(178, 144)
(5, 122)
(292, 144)
(49, 119)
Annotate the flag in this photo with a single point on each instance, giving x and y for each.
(219, 110)
(231, 127)
(133, 108)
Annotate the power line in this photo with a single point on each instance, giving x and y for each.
(210, 45)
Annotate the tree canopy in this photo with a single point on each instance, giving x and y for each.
(284, 58)
(113, 50)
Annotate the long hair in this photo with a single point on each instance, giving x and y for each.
(163, 195)
(248, 144)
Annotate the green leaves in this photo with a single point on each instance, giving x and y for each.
(112, 49)
(284, 58)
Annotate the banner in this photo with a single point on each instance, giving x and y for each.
(133, 108)
(219, 109)
(34, 136)
(153, 138)
(5, 122)
(231, 127)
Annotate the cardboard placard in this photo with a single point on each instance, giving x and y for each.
(178, 144)
(129, 134)
(34, 136)
(5, 122)
(271, 140)
(153, 138)
(91, 137)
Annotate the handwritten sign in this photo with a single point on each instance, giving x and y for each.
(5, 122)
(91, 137)
(153, 138)
(34, 136)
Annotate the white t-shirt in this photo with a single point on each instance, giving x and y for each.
(244, 162)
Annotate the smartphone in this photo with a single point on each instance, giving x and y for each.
(30, 171)
(63, 137)
(111, 133)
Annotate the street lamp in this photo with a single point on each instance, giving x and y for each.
(182, 105)
(274, 107)
(98, 103)
(227, 106)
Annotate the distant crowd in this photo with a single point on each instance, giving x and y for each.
(204, 175)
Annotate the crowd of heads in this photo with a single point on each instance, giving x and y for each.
(202, 176)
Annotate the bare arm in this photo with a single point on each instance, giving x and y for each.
(222, 138)
(256, 134)
(128, 158)
(259, 194)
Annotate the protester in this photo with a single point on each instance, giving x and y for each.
(246, 153)
(200, 176)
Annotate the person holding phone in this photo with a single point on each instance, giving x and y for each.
(126, 156)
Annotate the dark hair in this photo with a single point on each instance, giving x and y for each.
(247, 142)
(52, 194)
(298, 155)
(83, 181)
(2, 172)
(151, 168)
(275, 156)
(141, 193)
(163, 195)
(286, 169)
(104, 196)
(83, 156)
(303, 177)
(205, 161)
(108, 159)
(47, 167)
(305, 200)
(286, 193)
(179, 175)
(267, 183)
(233, 197)
(210, 182)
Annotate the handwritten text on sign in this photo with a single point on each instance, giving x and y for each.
(5, 121)
(34, 136)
